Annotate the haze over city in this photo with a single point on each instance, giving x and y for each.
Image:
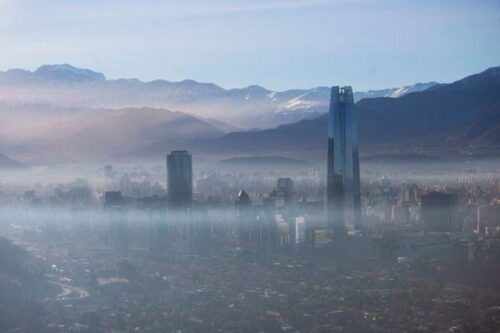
(249, 166)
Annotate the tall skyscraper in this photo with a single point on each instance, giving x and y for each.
(116, 213)
(282, 195)
(179, 180)
(285, 187)
(108, 171)
(243, 210)
(343, 192)
(439, 212)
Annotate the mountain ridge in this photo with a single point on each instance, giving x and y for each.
(248, 107)
(7, 163)
(459, 115)
(90, 134)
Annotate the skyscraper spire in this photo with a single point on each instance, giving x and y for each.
(343, 192)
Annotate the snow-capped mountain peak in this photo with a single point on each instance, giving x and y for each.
(398, 92)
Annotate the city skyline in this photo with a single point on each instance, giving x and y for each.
(177, 205)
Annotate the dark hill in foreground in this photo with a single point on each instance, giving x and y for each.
(22, 284)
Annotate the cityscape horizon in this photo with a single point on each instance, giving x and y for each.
(349, 183)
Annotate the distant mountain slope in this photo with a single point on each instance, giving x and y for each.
(318, 99)
(439, 109)
(456, 115)
(253, 106)
(484, 131)
(9, 164)
(221, 125)
(295, 137)
(65, 134)
(264, 163)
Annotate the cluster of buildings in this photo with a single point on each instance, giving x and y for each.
(234, 291)
(296, 212)
(284, 226)
(309, 251)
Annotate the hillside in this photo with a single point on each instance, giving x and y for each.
(264, 163)
(22, 281)
(9, 164)
(448, 116)
(418, 116)
(69, 134)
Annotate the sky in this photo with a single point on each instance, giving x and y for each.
(279, 44)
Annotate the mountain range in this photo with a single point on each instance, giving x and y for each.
(463, 116)
(250, 107)
(48, 124)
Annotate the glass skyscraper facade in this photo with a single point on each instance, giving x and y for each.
(343, 187)
(179, 180)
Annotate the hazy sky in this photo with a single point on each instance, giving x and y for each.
(279, 44)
